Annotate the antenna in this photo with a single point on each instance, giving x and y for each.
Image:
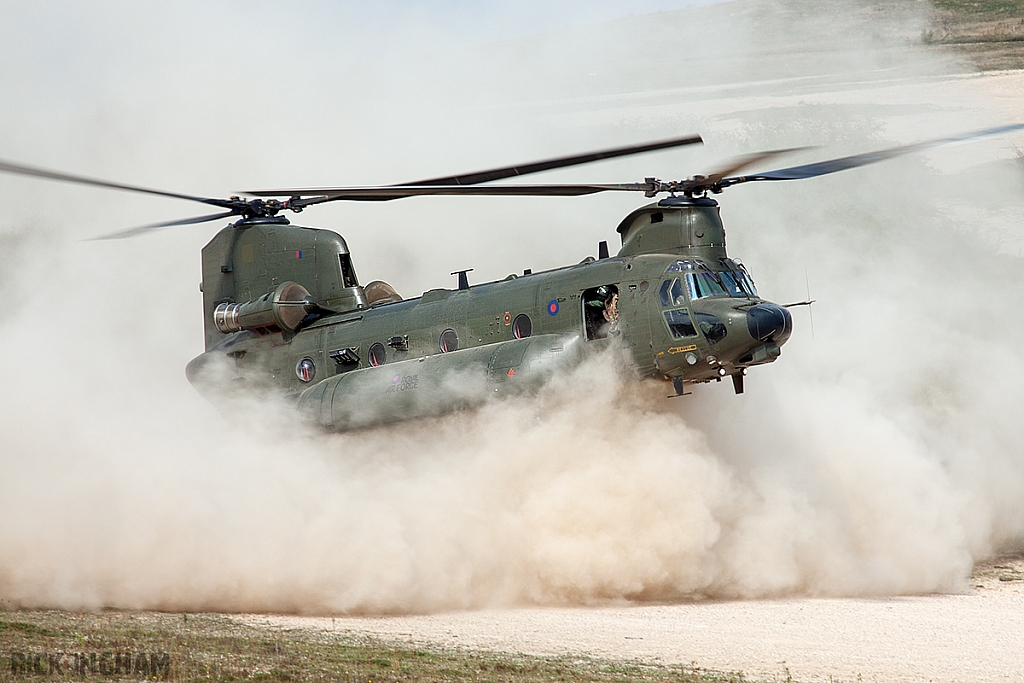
(807, 302)
(463, 278)
(810, 309)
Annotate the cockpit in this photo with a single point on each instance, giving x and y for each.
(696, 280)
(701, 282)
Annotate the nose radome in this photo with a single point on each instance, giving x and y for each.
(769, 323)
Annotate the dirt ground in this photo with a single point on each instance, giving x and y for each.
(971, 638)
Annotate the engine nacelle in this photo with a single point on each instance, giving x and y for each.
(281, 309)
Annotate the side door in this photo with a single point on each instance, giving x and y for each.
(557, 304)
(672, 330)
(636, 299)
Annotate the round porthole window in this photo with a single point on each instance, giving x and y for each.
(377, 355)
(522, 326)
(305, 369)
(449, 341)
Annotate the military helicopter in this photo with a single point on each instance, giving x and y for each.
(284, 311)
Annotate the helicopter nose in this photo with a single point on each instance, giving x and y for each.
(769, 323)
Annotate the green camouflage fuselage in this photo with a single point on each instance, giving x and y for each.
(671, 299)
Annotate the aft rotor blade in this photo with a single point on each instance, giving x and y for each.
(844, 163)
(378, 193)
(558, 162)
(488, 175)
(132, 232)
(19, 169)
(702, 183)
(740, 163)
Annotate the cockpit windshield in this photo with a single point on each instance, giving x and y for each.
(702, 282)
(736, 273)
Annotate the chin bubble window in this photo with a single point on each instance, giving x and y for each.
(679, 324)
(713, 328)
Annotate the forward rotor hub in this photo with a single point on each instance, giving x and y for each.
(257, 208)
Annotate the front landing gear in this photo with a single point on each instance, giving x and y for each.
(680, 388)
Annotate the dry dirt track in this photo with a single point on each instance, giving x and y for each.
(969, 638)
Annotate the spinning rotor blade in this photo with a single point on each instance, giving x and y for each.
(383, 193)
(331, 194)
(702, 183)
(844, 163)
(18, 169)
(560, 162)
(132, 232)
(746, 160)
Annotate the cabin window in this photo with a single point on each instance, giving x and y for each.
(601, 311)
(449, 341)
(305, 369)
(522, 326)
(377, 355)
(348, 273)
(679, 324)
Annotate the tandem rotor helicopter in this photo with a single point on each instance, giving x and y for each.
(284, 311)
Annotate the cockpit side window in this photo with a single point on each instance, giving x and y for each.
(671, 293)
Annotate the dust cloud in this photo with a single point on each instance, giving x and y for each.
(880, 456)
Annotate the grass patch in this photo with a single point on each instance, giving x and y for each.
(988, 32)
(211, 647)
(981, 9)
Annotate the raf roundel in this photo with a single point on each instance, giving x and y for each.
(553, 307)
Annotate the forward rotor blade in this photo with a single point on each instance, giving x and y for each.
(19, 169)
(844, 163)
(485, 176)
(376, 193)
(132, 232)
